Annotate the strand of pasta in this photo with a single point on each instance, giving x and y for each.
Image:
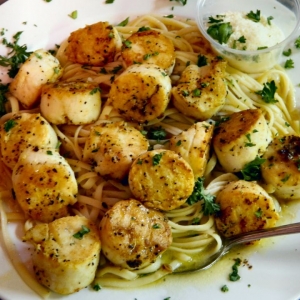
(14, 258)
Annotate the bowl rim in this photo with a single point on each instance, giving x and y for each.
(280, 45)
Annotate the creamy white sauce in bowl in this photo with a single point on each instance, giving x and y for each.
(257, 31)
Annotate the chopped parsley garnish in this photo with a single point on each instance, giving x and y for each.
(94, 91)
(241, 39)
(202, 60)
(117, 69)
(58, 144)
(212, 20)
(169, 16)
(258, 213)
(220, 32)
(144, 28)
(255, 17)
(73, 14)
(297, 42)
(183, 2)
(289, 64)
(49, 152)
(109, 1)
(269, 19)
(286, 178)
(251, 170)
(157, 133)
(79, 235)
(124, 22)
(196, 221)
(8, 125)
(97, 287)
(16, 56)
(156, 159)
(3, 99)
(156, 226)
(185, 93)
(234, 276)
(262, 48)
(127, 44)
(249, 143)
(287, 52)
(224, 288)
(178, 143)
(268, 92)
(209, 206)
(196, 92)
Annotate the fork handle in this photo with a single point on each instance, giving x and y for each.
(264, 233)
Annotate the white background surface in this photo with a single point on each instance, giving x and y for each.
(275, 263)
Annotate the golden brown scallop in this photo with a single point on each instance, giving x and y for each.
(44, 184)
(141, 93)
(112, 147)
(241, 138)
(24, 130)
(94, 45)
(194, 146)
(281, 170)
(40, 68)
(133, 236)
(201, 91)
(149, 46)
(66, 253)
(161, 179)
(244, 206)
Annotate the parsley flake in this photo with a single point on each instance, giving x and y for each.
(156, 159)
(289, 64)
(97, 287)
(79, 235)
(287, 52)
(255, 17)
(73, 14)
(17, 55)
(8, 125)
(234, 276)
(251, 170)
(297, 42)
(209, 206)
(268, 92)
(124, 22)
(220, 32)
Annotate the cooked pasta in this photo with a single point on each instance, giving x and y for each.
(194, 234)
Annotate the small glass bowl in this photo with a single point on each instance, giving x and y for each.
(285, 13)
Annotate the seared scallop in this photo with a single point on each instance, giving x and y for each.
(281, 170)
(244, 206)
(161, 179)
(25, 130)
(94, 45)
(149, 46)
(194, 146)
(239, 140)
(66, 253)
(133, 236)
(75, 103)
(40, 68)
(112, 147)
(141, 93)
(201, 91)
(44, 184)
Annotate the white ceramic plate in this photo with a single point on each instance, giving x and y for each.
(275, 263)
